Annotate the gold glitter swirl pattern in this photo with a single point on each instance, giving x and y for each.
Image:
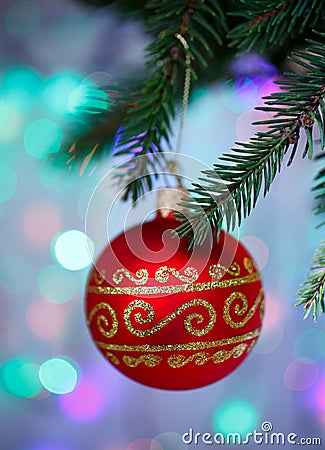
(99, 277)
(251, 346)
(174, 289)
(150, 315)
(176, 361)
(162, 274)
(103, 321)
(141, 276)
(179, 347)
(149, 360)
(239, 310)
(249, 265)
(218, 270)
(262, 310)
(112, 358)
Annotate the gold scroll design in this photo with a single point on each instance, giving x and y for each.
(174, 289)
(141, 276)
(108, 326)
(200, 358)
(150, 315)
(112, 358)
(177, 361)
(238, 301)
(218, 270)
(149, 360)
(188, 346)
(249, 265)
(99, 277)
(190, 274)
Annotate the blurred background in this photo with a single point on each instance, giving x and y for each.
(56, 391)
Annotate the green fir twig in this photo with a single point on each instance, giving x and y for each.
(272, 24)
(311, 294)
(319, 187)
(147, 128)
(232, 188)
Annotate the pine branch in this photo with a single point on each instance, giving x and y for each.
(270, 24)
(231, 189)
(311, 293)
(319, 188)
(95, 121)
(147, 127)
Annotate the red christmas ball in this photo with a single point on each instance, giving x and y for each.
(170, 317)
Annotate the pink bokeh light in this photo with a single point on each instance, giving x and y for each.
(41, 221)
(275, 312)
(301, 374)
(320, 397)
(85, 403)
(45, 319)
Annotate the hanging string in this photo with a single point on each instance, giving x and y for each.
(172, 164)
(186, 90)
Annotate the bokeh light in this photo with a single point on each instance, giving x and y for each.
(8, 182)
(251, 64)
(300, 374)
(73, 250)
(272, 330)
(241, 95)
(145, 444)
(10, 121)
(20, 87)
(45, 319)
(56, 284)
(311, 344)
(58, 90)
(85, 403)
(58, 376)
(20, 378)
(88, 98)
(319, 396)
(258, 249)
(42, 137)
(41, 221)
(266, 89)
(235, 416)
(169, 441)
(205, 109)
(22, 17)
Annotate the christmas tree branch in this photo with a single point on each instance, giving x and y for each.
(319, 188)
(231, 189)
(94, 123)
(272, 24)
(312, 292)
(147, 126)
